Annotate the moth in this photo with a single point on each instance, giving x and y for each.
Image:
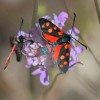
(59, 42)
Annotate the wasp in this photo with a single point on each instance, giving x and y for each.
(17, 44)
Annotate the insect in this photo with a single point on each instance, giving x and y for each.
(17, 44)
(59, 41)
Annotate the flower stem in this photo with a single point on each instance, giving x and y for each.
(50, 87)
(31, 85)
(97, 9)
(66, 8)
(34, 17)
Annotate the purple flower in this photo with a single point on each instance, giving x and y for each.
(73, 55)
(29, 62)
(60, 20)
(63, 16)
(44, 77)
(79, 49)
(22, 33)
(32, 51)
(75, 50)
(73, 33)
(71, 69)
(46, 17)
(26, 47)
(76, 31)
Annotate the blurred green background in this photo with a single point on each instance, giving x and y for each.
(81, 84)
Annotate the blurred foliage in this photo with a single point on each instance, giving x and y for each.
(41, 9)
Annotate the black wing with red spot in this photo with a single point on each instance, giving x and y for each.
(50, 32)
(61, 50)
(61, 56)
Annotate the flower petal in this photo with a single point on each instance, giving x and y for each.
(76, 30)
(44, 78)
(71, 69)
(27, 66)
(37, 71)
(79, 49)
(73, 44)
(46, 17)
(29, 61)
(71, 63)
(73, 34)
(73, 54)
(34, 46)
(35, 61)
(62, 17)
(22, 33)
(56, 20)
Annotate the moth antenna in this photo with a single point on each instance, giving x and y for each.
(80, 43)
(73, 23)
(73, 30)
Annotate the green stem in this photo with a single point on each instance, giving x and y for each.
(35, 13)
(97, 9)
(31, 84)
(34, 17)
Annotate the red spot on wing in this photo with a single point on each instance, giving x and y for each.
(55, 28)
(49, 47)
(61, 31)
(47, 24)
(67, 54)
(50, 38)
(43, 26)
(61, 66)
(50, 30)
(67, 46)
(65, 62)
(62, 57)
(56, 52)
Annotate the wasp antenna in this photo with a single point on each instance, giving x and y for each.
(22, 20)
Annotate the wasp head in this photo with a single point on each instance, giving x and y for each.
(21, 39)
